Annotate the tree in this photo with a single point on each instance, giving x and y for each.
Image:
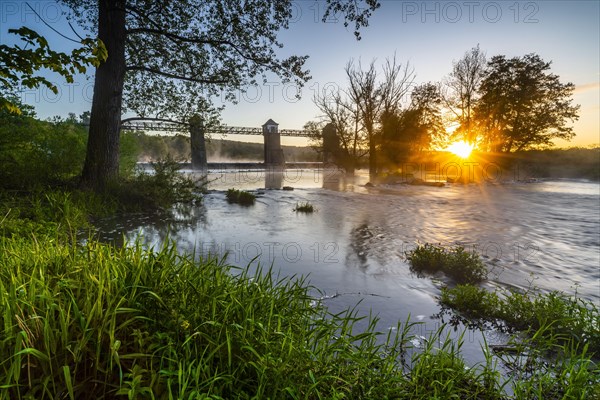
(415, 129)
(338, 110)
(168, 59)
(460, 92)
(374, 99)
(18, 65)
(523, 105)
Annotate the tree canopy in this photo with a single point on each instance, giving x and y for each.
(523, 105)
(168, 60)
(19, 64)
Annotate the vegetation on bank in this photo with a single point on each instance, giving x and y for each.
(562, 318)
(457, 263)
(95, 321)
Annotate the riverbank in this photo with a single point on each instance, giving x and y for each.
(97, 320)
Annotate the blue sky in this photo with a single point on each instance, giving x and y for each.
(429, 35)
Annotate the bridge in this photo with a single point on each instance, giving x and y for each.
(220, 130)
(273, 153)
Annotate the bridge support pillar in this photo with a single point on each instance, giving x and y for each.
(331, 144)
(273, 151)
(198, 143)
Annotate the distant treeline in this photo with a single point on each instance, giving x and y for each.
(156, 147)
(576, 162)
(571, 163)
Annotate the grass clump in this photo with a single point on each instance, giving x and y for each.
(305, 207)
(459, 264)
(555, 354)
(240, 196)
(561, 316)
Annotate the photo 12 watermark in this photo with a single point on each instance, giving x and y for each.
(470, 12)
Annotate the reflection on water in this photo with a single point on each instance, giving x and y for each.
(544, 235)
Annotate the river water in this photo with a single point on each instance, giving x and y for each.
(542, 235)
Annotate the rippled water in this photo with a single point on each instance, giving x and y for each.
(544, 235)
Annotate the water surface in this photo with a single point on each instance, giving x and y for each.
(543, 235)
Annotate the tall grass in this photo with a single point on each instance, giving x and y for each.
(97, 322)
(100, 322)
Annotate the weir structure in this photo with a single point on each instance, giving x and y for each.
(273, 152)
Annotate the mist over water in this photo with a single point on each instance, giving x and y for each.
(543, 235)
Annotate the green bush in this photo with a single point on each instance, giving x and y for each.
(240, 196)
(35, 152)
(461, 265)
(163, 188)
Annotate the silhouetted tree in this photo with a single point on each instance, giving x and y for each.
(460, 92)
(415, 129)
(523, 105)
(343, 114)
(374, 98)
(169, 58)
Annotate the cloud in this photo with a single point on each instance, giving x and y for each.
(586, 87)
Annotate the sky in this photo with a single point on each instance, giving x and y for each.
(429, 35)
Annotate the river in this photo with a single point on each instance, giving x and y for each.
(543, 235)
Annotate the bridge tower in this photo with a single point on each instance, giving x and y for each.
(198, 143)
(273, 151)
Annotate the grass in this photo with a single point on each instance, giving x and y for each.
(461, 265)
(550, 315)
(305, 207)
(240, 196)
(101, 322)
(555, 353)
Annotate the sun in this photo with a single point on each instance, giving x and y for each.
(461, 149)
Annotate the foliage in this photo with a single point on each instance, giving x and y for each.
(415, 129)
(18, 65)
(95, 321)
(159, 189)
(36, 152)
(55, 212)
(523, 105)
(554, 359)
(460, 93)
(461, 265)
(562, 317)
(240, 196)
(305, 207)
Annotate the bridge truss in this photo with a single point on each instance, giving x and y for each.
(218, 130)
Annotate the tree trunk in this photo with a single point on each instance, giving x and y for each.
(372, 157)
(102, 157)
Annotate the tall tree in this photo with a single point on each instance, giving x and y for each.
(460, 92)
(374, 98)
(415, 129)
(523, 104)
(337, 109)
(167, 60)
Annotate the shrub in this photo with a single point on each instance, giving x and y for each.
(163, 188)
(461, 265)
(240, 196)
